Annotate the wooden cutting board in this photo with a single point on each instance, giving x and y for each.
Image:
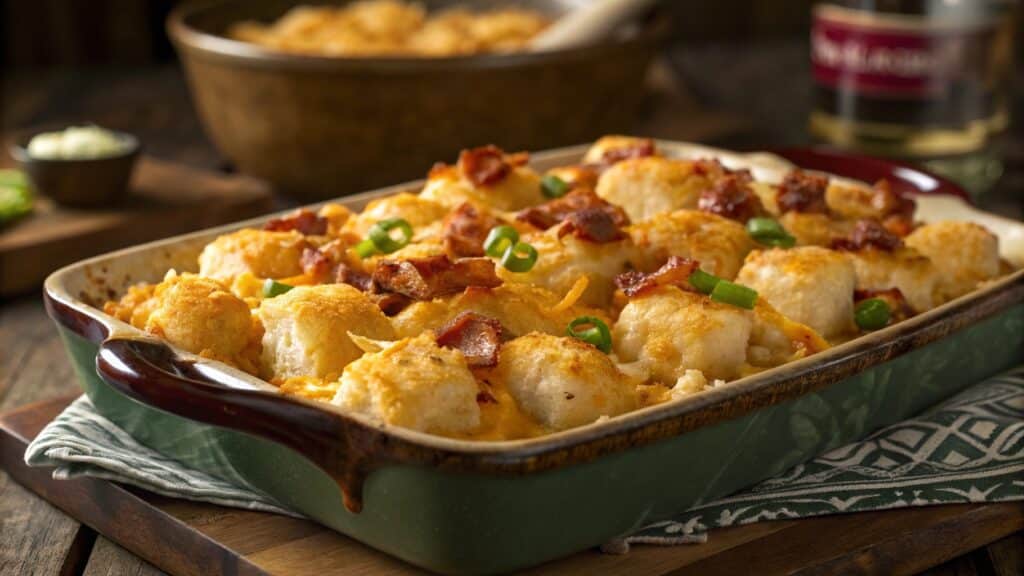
(186, 538)
(165, 199)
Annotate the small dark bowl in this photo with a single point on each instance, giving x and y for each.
(86, 182)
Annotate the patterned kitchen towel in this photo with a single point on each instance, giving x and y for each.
(968, 449)
(81, 442)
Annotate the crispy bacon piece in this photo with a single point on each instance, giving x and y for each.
(592, 225)
(868, 234)
(641, 149)
(675, 272)
(713, 168)
(899, 308)
(484, 166)
(613, 156)
(729, 196)
(428, 278)
(898, 210)
(465, 229)
(325, 264)
(304, 221)
(548, 214)
(802, 192)
(708, 167)
(475, 335)
(390, 304)
(899, 225)
(345, 274)
(314, 263)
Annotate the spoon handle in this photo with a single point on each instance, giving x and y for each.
(584, 25)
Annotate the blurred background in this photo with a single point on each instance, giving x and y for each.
(732, 73)
(111, 61)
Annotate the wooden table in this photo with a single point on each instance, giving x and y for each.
(36, 538)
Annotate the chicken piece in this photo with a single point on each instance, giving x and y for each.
(520, 189)
(719, 244)
(562, 261)
(904, 268)
(855, 202)
(963, 253)
(671, 331)
(647, 187)
(200, 315)
(809, 284)
(485, 177)
(423, 214)
(413, 383)
(262, 253)
(336, 216)
(521, 309)
(576, 175)
(303, 221)
(608, 149)
(563, 382)
(306, 330)
(811, 229)
(776, 340)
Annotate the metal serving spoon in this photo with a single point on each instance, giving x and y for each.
(585, 25)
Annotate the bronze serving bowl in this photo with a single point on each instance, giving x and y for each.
(318, 126)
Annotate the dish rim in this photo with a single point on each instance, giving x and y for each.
(642, 426)
(186, 36)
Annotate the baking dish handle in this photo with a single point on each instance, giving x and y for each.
(904, 178)
(152, 373)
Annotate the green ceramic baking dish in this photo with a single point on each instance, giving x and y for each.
(480, 508)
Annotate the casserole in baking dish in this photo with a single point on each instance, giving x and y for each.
(469, 506)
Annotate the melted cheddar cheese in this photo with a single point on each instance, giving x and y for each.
(427, 332)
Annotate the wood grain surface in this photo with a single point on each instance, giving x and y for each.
(193, 538)
(166, 199)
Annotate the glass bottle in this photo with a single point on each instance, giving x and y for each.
(920, 80)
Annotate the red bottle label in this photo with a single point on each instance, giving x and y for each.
(889, 54)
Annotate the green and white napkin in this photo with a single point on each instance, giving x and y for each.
(967, 449)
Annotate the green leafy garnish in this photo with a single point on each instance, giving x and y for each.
(15, 195)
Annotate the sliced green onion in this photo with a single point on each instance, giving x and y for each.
(499, 239)
(383, 241)
(553, 187)
(872, 314)
(366, 248)
(736, 294)
(594, 331)
(272, 288)
(769, 232)
(703, 281)
(519, 257)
